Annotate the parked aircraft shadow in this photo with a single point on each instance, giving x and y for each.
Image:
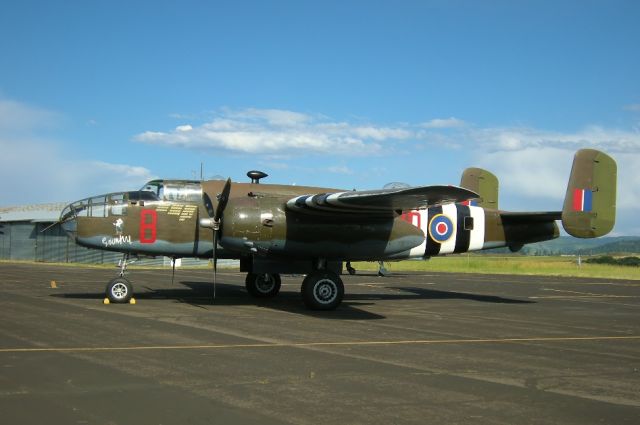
(285, 301)
(433, 294)
(200, 294)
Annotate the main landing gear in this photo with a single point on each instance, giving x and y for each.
(321, 290)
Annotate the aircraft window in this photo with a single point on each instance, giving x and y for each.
(117, 198)
(81, 209)
(99, 210)
(468, 223)
(184, 192)
(118, 210)
(98, 200)
(141, 195)
(153, 187)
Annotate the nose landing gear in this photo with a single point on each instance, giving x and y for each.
(120, 290)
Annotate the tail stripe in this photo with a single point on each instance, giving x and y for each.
(582, 200)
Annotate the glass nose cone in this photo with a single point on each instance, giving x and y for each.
(68, 219)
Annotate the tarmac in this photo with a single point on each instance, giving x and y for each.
(428, 348)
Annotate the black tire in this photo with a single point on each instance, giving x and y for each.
(263, 285)
(322, 290)
(119, 290)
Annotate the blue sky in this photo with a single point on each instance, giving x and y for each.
(101, 96)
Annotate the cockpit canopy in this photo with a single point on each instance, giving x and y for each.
(155, 190)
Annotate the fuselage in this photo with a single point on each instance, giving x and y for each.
(165, 219)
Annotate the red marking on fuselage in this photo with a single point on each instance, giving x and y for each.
(412, 217)
(148, 222)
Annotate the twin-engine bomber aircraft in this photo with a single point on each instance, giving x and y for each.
(274, 229)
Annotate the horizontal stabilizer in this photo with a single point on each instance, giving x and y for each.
(530, 217)
(380, 202)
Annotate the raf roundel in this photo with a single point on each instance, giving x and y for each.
(440, 228)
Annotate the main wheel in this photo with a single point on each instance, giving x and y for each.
(263, 285)
(322, 290)
(119, 290)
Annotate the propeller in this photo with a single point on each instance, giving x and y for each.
(215, 223)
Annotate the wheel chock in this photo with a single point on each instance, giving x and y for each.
(132, 300)
(106, 301)
(53, 284)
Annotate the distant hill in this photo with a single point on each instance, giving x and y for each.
(567, 245)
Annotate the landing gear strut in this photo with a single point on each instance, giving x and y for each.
(350, 268)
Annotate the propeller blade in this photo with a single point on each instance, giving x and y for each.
(223, 198)
(215, 262)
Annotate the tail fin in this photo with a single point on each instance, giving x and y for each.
(590, 202)
(484, 183)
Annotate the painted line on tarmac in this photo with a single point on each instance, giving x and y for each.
(569, 297)
(320, 344)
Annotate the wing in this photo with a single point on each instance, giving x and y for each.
(384, 202)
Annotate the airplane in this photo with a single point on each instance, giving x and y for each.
(281, 229)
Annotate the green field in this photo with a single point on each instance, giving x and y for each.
(505, 264)
(464, 263)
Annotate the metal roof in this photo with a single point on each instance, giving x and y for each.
(47, 213)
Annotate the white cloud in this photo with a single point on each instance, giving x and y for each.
(184, 128)
(272, 131)
(340, 169)
(612, 140)
(444, 123)
(274, 117)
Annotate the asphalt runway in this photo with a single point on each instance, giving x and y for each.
(429, 348)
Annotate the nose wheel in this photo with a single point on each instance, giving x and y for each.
(119, 290)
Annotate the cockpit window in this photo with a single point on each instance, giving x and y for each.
(141, 195)
(184, 192)
(98, 206)
(155, 187)
(177, 191)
